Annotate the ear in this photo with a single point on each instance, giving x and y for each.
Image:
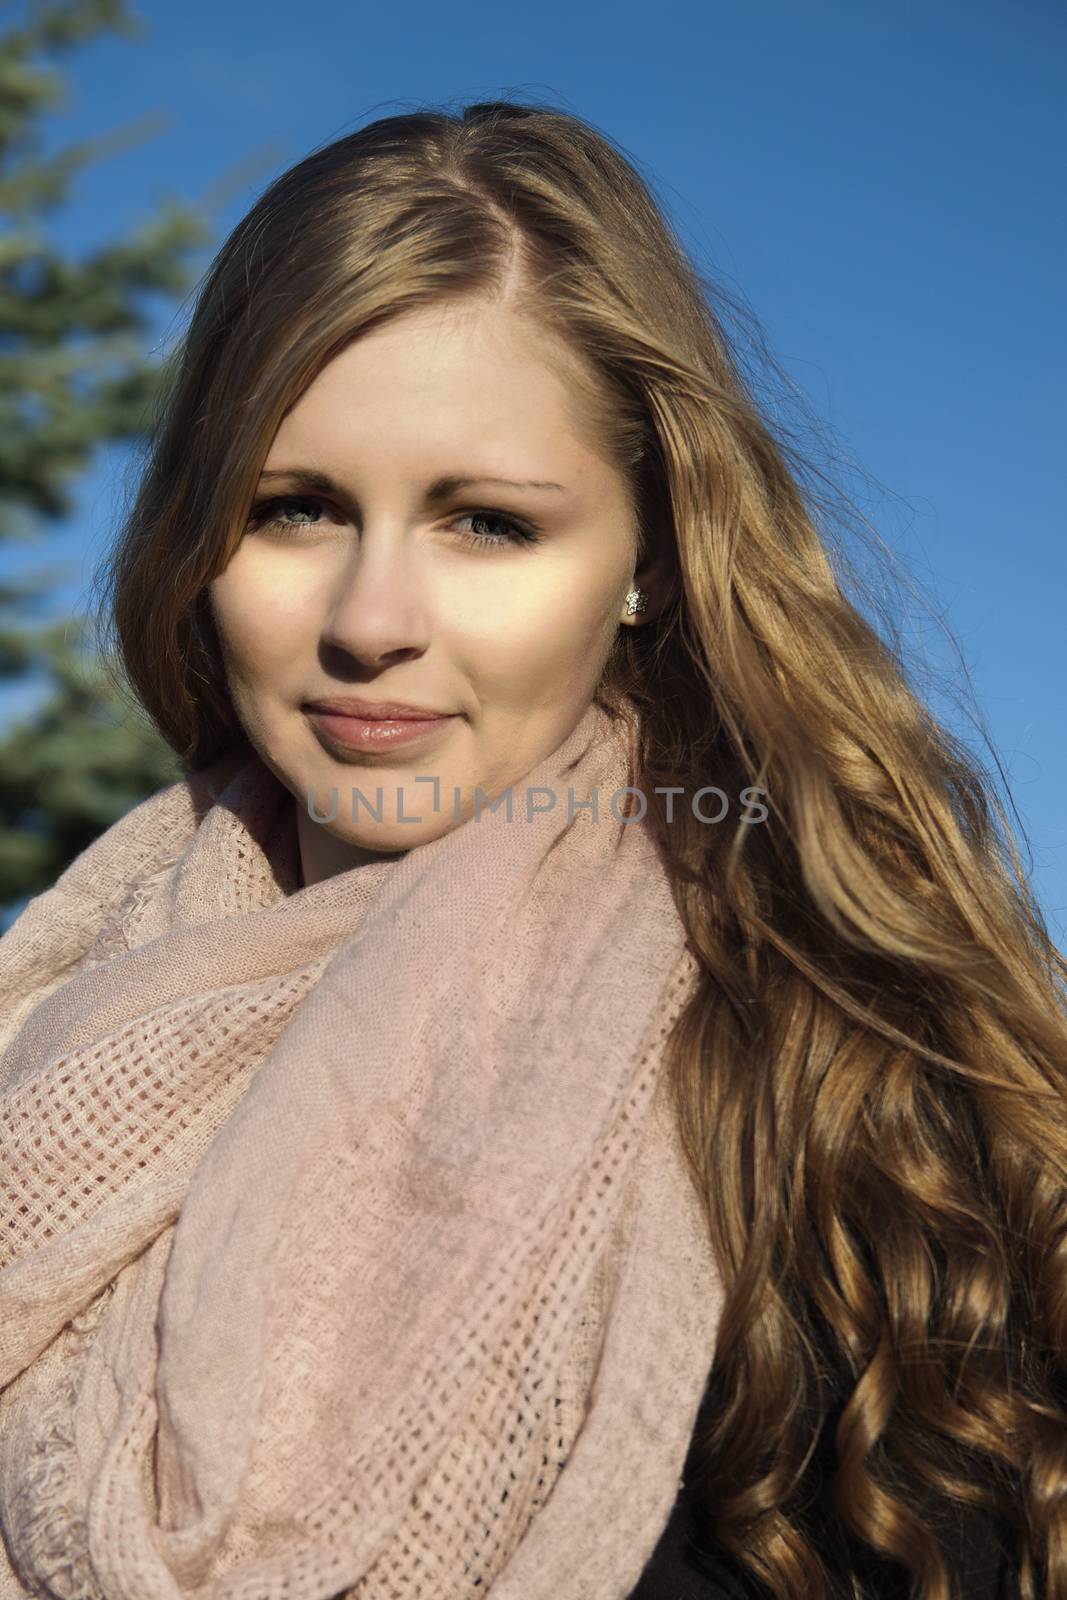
(658, 578)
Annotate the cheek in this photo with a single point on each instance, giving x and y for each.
(538, 630)
(260, 613)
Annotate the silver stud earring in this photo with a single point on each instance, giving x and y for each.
(636, 600)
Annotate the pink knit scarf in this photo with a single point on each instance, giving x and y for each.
(346, 1241)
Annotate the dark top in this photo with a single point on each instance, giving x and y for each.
(685, 1565)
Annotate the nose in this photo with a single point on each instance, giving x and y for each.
(377, 609)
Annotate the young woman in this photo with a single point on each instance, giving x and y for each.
(566, 1098)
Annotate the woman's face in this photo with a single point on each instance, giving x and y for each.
(378, 589)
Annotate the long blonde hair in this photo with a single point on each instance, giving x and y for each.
(870, 1083)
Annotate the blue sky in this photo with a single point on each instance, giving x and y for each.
(880, 184)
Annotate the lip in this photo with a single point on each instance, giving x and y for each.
(344, 705)
(374, 733)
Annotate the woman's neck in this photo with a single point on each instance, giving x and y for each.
(322, 855)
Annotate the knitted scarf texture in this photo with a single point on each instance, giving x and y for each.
(347, 1247)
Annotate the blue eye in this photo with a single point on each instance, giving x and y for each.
(268, 513)
(521, 532)
(272, 514)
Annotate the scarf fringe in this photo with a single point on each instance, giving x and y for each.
(49, 1499)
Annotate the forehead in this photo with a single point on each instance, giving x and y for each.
(446, 379)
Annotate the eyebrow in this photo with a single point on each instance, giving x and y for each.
(441, 489)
